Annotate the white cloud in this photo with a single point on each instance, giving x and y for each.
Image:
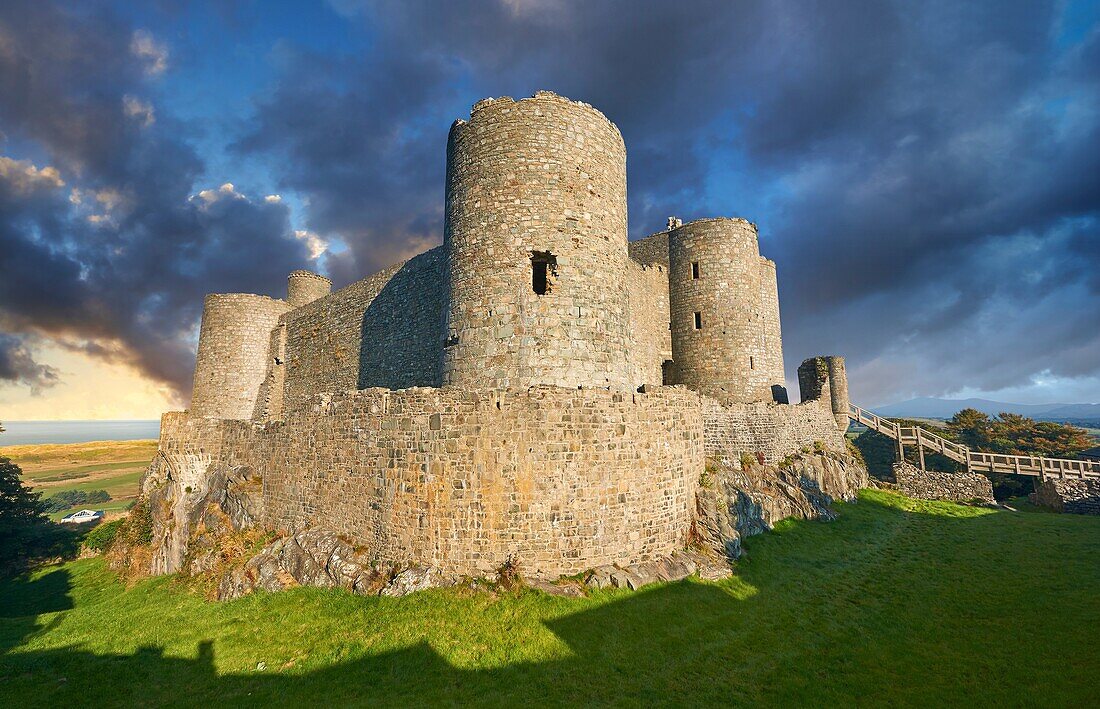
(273, 199)
(139, 110)
(227, 190)
(314, 243)
(152, 53)
(24, 177)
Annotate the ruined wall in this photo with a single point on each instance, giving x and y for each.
(561, 479)
(826, 378)
(1066, 495)
(775, 430)
(717, 325)
(651, 250)
(934, 485)
(382, 331)
(651, 340)
(232, 357)
(540, 178)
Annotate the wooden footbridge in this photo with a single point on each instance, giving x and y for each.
(975, 461)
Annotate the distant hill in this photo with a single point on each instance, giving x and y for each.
(930, 407)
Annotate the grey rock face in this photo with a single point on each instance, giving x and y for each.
(414, 579)
(741, 502)
(315, 557)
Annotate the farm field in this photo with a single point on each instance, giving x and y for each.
(898, 602)
(114, 466)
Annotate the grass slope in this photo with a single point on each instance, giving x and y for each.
(114, 466)
(898, 602)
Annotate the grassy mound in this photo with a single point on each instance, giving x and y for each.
(898, 602)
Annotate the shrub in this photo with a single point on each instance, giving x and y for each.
(102, 536)
(139, 525)
(67, 499)
(747, 460)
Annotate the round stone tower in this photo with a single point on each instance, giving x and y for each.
(718, 328)
(535, 235)
(771, 342)
(231, 363)
(305, 287)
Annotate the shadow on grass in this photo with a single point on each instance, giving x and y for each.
(885, 605)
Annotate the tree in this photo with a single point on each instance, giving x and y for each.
(1013, 434)
(24, 527)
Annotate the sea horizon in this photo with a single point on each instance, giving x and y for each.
(37, 432)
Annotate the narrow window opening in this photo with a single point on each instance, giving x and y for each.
(698, 321)
(694, 270)
(752, 363)
(544, 271)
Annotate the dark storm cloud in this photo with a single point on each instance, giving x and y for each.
(17, 366)
(929, 173)
(103, 246)
(926, 175)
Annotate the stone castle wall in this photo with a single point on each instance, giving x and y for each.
(231, 362)
(651, 251)
(382, 331)
(651, 340)
(560, 479)
(773, 430)
(538, 183)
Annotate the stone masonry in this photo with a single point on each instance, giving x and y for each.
(933, 485)
(1068, 495)
(535, 390)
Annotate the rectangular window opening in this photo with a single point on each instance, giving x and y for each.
(752, 363)
(698, 321)
(544, 268)
(694, 270)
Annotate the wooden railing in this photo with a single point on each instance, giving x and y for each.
(975, 461)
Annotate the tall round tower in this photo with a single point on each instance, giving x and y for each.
(305, 287)
(771, 336)
(535, 235)
(234, 344)
(714, 298)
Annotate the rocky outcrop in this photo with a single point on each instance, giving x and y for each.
(315, 557)
(738, 501)
(676, 567)
(186, 507)
(934, 485)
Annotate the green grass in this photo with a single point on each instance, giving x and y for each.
(898, 602)
(114, 466)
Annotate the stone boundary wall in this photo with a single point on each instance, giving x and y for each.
(775, 430)
(562, 480)
(934, 485)
(383, 331)
(1065, 495)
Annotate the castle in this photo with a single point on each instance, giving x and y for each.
(535, 388)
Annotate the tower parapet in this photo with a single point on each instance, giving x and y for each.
(304, 287)
(535, 236)
(234, 344)
(718, 327)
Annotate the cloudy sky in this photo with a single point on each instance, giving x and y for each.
(926, 175)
